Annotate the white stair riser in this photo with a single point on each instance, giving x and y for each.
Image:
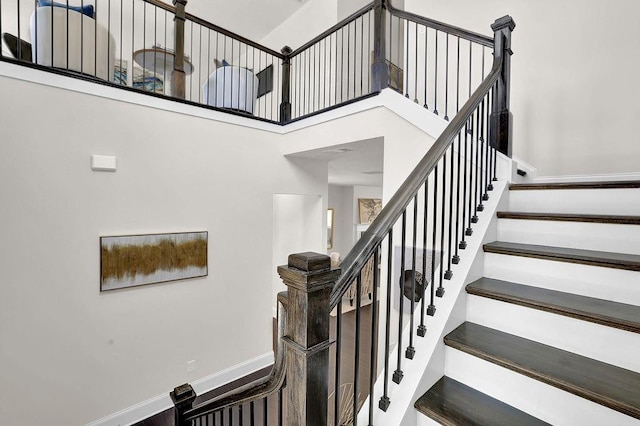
(585, 201)
(425, 421)
(614, 346)
(580, 235)
(543, 401)
(593, 281)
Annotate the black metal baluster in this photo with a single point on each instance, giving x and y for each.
(252, 414)
(398, 375)
(480, 151)
(265, 411)
(121, 29)
(336, 401)
(474, 218)
(155, 43)
(494, 149)
(275, 99)
(330, 72)
(440, 290)
(324, 75)
(341, 62)
(391, 53)
(144, 40)
(470, 63)
(411, 350)
(384, 400)
(458, 77)
(230, 416)
(446, 79)
(468, 146)
(280, 417)
(435, 79)
(240, 419)
(374, 328)
(192, 70)
(303, 86)
(406, 59)
(456, 257)
(356, 361)
(415, 68)
(434, 235)
(312, 79)
(449, 272)
(422, 328)
(133, 38)
(361, 55)
(355, 65)
(67, 39)
(224, 72)
(487, 163)
(426, 68)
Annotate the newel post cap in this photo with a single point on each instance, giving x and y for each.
(183, 395)
(308, 271)
(286, 51)
(502, 23)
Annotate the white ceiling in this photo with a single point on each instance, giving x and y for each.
(252, 19)
(355, 163)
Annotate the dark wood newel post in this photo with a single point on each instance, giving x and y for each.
(501, 118)
(309, 279)
(178, 76)
(285, 105)
(182, 397)
(379, 68)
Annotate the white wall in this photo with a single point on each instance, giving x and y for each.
(314, 17)
(574, 79)
(71, 354)
(297, 227)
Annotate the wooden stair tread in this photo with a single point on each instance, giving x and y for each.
(571, 217)
(629, 262)
(599, 311)
(605, 384)
(450, 402)
(622, 184)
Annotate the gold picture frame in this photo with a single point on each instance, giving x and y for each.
(330, 213)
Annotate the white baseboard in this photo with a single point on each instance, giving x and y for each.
(160, 403)
(588, 178)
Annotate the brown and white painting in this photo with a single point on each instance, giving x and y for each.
(369, 209)
(133, 260)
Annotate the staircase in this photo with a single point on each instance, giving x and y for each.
(552, 331)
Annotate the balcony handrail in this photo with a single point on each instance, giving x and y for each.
(356, 259)
(357, 14)
(441, 26)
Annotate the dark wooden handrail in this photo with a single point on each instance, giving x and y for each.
(257, 389)
(441, 26)
(355, 260)
(217, 29)
(336, 27)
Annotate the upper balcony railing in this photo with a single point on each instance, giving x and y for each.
(160, 50)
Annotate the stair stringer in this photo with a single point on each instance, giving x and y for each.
(428, 365)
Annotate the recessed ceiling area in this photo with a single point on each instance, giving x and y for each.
(354, 163)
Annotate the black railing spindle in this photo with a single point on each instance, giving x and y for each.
(398, 374)
(384, 400)
(411, 351)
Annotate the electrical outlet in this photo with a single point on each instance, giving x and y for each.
(191, 365)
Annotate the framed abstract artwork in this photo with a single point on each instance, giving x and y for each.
(134, 260)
